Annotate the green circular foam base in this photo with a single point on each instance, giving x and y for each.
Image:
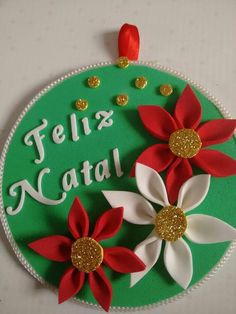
(128, 134)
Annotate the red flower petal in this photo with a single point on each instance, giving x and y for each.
(216, 131)
(101, 288)
(157, 121)
(56, 248)
(215, 163)
(188, 110)
(108, 224)
(157, 156)
(179, 172)
(78, 221)
(122, 260)
(70, 284)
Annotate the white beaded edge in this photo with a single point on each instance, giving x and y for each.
(4, 222)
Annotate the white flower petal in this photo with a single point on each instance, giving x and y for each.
(151, 185)
(205, 229)
(193, 192)
(137, 210)
(148, 251)
(178, 262)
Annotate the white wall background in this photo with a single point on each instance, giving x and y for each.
(40, 40)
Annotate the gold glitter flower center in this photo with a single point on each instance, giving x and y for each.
(185, 143)
(170, 223)
(86, 254)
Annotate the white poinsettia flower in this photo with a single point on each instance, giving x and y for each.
(171, 223)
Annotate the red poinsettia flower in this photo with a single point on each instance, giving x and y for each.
(87, 255)
(186, 142)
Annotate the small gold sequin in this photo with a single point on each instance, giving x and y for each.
(93, 81)
(122, 100)
(81, 104)
(86, 254)
(166, 89)
(170, 223)
(185, 143)
(122, 62)
(141, 82)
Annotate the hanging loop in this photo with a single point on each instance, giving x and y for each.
(128, 42)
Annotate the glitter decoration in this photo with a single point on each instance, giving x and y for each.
(166, 89)
(81, 104)
(185, 143)
(93, 81)
(170, 223)
(122, 62)
(86, 254)
(122, 100)
(141, 82)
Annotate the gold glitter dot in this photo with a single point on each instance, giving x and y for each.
(185, 143)
(93, 81)
(141, 82)
(166, 89)
(170, 223)
(86, 254)
(122, 62)
(81, 104)
(122, 100)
